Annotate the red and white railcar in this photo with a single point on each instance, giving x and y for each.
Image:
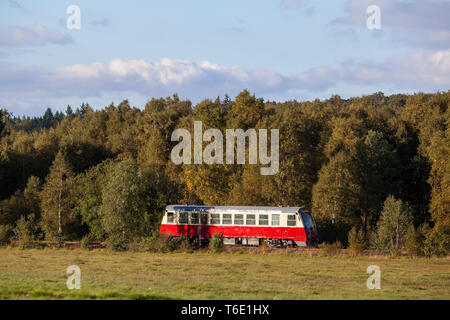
(277, 226)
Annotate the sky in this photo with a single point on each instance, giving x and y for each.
(278, 49)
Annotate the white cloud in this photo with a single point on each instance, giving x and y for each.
(38, 35)
(418, 71)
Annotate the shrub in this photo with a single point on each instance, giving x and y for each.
(6, 232)
(438, 241)
(357, 242)
(52, 237)
(87, 241)
(163, 244)
(216, 243)
(116, 242)
(185, 246)
(394, 223)
(415, 239)
(332, 249)
(158, 243)
(26, 231)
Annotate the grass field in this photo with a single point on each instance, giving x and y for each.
(41, 274)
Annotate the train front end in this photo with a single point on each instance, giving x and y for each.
(312, 233)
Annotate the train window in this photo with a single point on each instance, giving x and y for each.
(263, 220)
(275, 219)
(239, 219)
(204, 218)
(226, 219)
(170, 217)
(194, 218)
(215, 218)
(250, 219)
(291, 221)
(183, 217)
(307, 220)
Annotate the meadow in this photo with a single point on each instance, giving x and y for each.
(41, 274)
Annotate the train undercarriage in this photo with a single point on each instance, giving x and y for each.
(254, 242)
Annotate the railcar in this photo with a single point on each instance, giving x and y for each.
(248, 226)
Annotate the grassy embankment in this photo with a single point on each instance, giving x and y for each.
(41, 274)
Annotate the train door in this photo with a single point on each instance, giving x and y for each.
(204, 225)
(310, 228)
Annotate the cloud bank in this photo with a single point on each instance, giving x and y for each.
(418, 71)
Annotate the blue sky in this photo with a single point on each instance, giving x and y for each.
(278, 49)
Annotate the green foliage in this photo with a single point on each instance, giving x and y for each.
(216, 243)
(438, 241)
(124, 204)
(87, 241)
(415, 239)
(343, 157)
(27, 231)
(376, 169)
(117, 242)
(57, 199)
(439, 151)
(6, 232)
(89, 197)
(357, 241)
(162, 244)
(3, 123)
(393, 226)
(335, 195)
(331, 249)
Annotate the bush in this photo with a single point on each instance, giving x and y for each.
(332, 249)
(116, 243)
(6, 232)
(52, 237)
(438, 241)
(156, 243)
(394, 223)
(185, 246)
(163, 244)
(26, 231)
(357, 242)
(216, 243)
(415, 239)
(87, 241)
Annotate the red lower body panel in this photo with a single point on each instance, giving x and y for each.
(296, 234)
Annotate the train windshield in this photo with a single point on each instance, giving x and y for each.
(308, 222)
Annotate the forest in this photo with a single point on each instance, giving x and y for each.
(374, 169)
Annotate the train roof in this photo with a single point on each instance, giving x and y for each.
(234, 208)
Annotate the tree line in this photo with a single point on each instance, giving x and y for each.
(364, 165)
